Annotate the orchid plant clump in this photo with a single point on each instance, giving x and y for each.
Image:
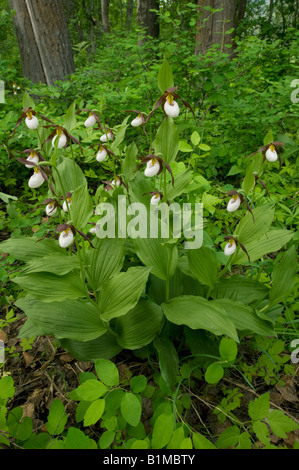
(98, 295)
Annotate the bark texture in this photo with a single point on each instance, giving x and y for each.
(211, 27)
(146, 18)
(105, 16)
(43, 39)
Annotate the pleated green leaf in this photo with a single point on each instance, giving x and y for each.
(121, 293)
(165, 77)
(139, 326)
(75, 319)
(168, 359)
(161, 258)
(240, 289)
(55, 264)
(70, 177)
(50, 288)
(103, 347)
(270, 242)
(244, 317)
(284, 275)
(248, 230)
(104, 261)
(199, 313)
(25, 249)
(166, 143)
(81, 207)
(203, 264)
(181, 183)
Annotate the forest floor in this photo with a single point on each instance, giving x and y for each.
(46, 371)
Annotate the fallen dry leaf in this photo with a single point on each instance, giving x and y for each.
(3, 336)
(288, 390)
(28, 358)
(66, 357)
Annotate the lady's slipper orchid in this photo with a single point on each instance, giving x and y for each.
(138, 121)
(270, 152)
(64, 137)
(156, 199)
(102, 154)
(234, 203)
(66, 203)
(36, 179)
(231, 246)
(31, 120)
(107, 136)
(115, 183)
(33, 158)
(92, 119)
(67, 234)
(169, 105)
(51, 209)
(62, 142)
(66, 238)
(154, 166)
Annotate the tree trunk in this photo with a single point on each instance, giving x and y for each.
(105, 16)
(43, 39)
(240, 12)
(212, 27)
(271, 10)
(146, 18)
(129, 17)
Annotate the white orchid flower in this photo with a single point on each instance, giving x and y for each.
(31, 121)
(152, 167)
(37, 179)
(102, 154)
(62, 139)
(66, 204)
(234, 203)
(138, 121)
(90, 121)
(107, 136)
(171, 107)
(66, 238)
(51, 209)
(116, 182)
(271, 154)
(33, 158)
(156, 199)
(230, 247)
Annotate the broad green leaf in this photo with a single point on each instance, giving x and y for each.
(270, 242)
(204, 266)
(181, 183)
(168, 359)
(281, 424)
(76, 439)
(7, 388)
(94, 412)
(119, 136)
(139, 326)
(262, 432)
(284, 275)
(177, 438)
(214, 373)
(161, 258)
(138, 383)
(131, 408)
(258, 409)
(166, 143)
(104, 346)
(186, 444)
(195, 138)
(249, 180)
(244, 317)
(27, 101)
(106, 439)
(25, 249)
(104, 261)
(107, 372)
(251, 231)
(165, 77)
(199, 313)
(228, 349)
(6, 197)
(204, 147)
(228, 438)
(91, 390)
(51, 288)
(57, 418)
(201, 442)
(70, 177)
(70, 118)
(162, 431)
(30, 330)
(128, 164)
(75, 319)
(121, 293)
(140, 444)
(240, 289)
(185, 147)
(81, 207)
(269, 138)
(55, 264)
